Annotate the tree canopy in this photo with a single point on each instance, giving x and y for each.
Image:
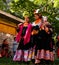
(49, 8)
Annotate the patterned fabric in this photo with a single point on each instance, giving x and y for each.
(30, 55)
(45, 54)
(24, 55)
(33, 53)
(18, 55)
(42, 54)
(38, 54)
(51, 56)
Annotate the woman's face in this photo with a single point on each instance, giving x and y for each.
(27, 19)
(36, 16)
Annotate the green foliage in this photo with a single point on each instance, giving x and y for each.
(39, 2)
(48, 8)
(56, 3)
(2, 5)
(19, 6)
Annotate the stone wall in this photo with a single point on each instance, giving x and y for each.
(4, 36)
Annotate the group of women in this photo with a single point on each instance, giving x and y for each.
(35, 40)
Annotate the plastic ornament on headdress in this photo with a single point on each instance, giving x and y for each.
(36, 11)
(26, 14)
(44, 18)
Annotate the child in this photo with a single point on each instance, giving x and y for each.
(14, 45)
(5, 48)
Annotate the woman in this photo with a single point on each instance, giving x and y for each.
(45, 44)
(15, 45)
(36, 25)
(23, 37)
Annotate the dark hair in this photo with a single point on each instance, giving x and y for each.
(39, 14)
(4, 40)
(29, 19)
(14, 38)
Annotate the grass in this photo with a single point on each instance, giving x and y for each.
(8, 61)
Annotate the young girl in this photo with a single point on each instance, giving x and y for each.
(23, 37)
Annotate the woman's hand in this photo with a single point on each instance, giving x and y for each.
(19, 24)
(34, 32)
